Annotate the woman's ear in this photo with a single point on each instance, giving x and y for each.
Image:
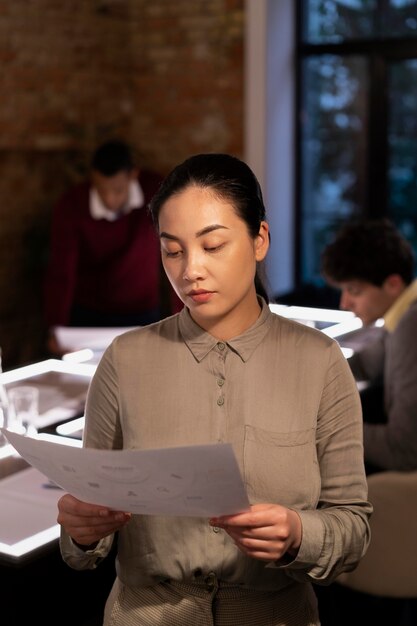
(262, 242)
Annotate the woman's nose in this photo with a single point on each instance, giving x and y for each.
(193, 269)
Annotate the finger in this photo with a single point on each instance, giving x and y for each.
(97, 532)
(253, 519)
(258, 549)
(246, 517)
(89, 534)
(70, 506)
(260, 532)
(98, 526)
(110, 518)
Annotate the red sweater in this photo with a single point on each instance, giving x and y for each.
(102, 266)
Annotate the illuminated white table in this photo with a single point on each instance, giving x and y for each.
(62, 387)
(27, 508)
(343, 326)
(28, 504)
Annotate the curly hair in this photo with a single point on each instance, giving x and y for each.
(369, 250)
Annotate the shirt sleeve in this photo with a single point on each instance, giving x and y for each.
(336, 535)
(80, 559)
(101, 424)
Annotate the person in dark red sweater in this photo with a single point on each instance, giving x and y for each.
(104, 257)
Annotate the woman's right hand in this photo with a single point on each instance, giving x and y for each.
(87, 523)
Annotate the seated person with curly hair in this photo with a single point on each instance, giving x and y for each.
(373, 266)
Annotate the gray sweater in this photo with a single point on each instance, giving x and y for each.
(392, 358)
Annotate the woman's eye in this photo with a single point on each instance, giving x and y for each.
(213, 248)
(172, 255)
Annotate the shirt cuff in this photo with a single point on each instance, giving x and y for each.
(311, 543)
(77, 558)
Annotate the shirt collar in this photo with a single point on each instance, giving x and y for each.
(400, 306)
(201, 342)
(99, 211)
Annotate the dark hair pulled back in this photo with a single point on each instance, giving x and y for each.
(230, 179)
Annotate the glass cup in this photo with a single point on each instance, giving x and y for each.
(23, 409)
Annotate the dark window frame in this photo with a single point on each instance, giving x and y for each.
(380, 52)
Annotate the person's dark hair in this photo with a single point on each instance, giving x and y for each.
(229, 178)
(112, 157)
(369, 250)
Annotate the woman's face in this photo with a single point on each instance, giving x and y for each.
(210, 259)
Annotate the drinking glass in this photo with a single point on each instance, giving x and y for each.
(23, 409)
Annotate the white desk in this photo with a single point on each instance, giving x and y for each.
(62, 387)
(28, 509)
(28, 504)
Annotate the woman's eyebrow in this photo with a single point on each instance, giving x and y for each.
(199, 233)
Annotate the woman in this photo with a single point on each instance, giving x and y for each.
(226, 369)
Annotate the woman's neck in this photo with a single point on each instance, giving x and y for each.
(233, 324)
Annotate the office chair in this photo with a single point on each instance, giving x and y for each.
(389, 568)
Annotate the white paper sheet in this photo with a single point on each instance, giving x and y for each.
(200, 481)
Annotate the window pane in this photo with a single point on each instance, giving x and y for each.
(316, 234)
(337, 20)
(400, 18)
(402, 136)
(333, 148)
(402, 147)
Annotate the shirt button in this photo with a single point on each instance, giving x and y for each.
(216, 529)
(221, 345)
(211, 581)
(220, 401)
(220, 382)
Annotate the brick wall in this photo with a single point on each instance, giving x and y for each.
(167, 76)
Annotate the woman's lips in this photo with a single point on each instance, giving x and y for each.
(200, 296)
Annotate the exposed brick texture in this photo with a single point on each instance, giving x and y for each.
(167, 76)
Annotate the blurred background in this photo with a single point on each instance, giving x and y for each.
(319, 96)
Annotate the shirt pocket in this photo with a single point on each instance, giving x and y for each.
(281, 468)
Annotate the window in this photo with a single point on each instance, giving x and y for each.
(357, 121)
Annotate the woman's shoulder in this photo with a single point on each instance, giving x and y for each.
(150, 335)
(297, 330)
(311, 345)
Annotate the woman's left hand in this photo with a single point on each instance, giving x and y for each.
(265, 532)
